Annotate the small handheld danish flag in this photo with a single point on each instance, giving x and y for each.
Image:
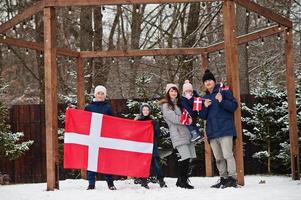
(197, 104)
(184, 117)
(222, 86)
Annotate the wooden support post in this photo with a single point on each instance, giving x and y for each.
(232, 69)
(80, 84)
(81, 94)
(208, 151)
(50, 98)
(291, 98)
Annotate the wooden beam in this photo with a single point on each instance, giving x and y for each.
(80, 94)
(50, 97)
(232, 70)
(267, 13)
(248, 37)
(36, 46)
(27, 13)
(142, 52)
(118, 2)
(292, 111)
(208, 151)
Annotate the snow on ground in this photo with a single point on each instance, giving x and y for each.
(276, 187)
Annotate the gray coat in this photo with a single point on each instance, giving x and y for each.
(179, 134)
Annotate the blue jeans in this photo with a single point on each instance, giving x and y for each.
(92, 177)
(156, 167)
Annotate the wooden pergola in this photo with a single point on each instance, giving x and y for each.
(230, 44)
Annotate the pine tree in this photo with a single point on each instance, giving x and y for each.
(10, 145)
(266, 120)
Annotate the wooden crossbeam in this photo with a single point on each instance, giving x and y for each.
(182, 51)
(36, 46)
(142, 52)
(269, 14)
(27, 13)
(248, 37)
(59, 3)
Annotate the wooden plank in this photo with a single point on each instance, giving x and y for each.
(36, 46)
(81, 94)
(292, 112)
(208, 151)
(27, 13)
(142, 52)
(118, 2)
(267, 13)
(80, 84)
(50, 96)
(232, 70)
(248, 37)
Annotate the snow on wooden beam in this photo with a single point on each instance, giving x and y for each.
(269, 14)
(27, 13)
(142, 52)
(118, 2)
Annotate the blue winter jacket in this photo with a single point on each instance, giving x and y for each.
(219, 115)
(102, 107)
(188, 104)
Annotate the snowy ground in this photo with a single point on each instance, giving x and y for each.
(276, 187)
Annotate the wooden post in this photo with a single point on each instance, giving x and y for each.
(81, 94)
(232, 69)
(50, 97)
(291, 99)
(208, 151)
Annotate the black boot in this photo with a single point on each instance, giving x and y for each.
(144, 183)
(229, 182)
(183, 171)
(220, 183)
(162, 183)
(91, 187)
(111, 185)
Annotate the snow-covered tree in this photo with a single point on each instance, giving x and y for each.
(266, 120)
(10, 145)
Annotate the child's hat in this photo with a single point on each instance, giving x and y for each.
(187, 86)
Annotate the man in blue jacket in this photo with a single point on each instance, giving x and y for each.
(219, 106)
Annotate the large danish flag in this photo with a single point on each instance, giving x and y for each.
(107, 144)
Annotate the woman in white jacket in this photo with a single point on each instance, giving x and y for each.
(179, 133)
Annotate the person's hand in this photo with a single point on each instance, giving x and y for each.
(219, 97)
(207, 103)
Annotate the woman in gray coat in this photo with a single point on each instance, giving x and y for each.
(179, 133)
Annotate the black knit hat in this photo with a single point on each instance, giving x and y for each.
(208, 76)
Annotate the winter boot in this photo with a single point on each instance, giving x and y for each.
(144, 183)
(220, 183)
(111, 185)
(91, 187)
(195, 136)
(183, 175)
(162, 183)
(230, 182)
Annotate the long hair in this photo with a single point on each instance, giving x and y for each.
(169, 102)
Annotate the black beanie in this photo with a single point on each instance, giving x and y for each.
(208, 76)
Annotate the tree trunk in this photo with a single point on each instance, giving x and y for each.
(189, 41)
(137, 19)
(86, 33)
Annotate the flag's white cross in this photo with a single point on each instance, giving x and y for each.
(198, 101)
(94, 141)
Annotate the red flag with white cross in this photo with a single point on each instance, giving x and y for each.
(197, 104)
(107, 144)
